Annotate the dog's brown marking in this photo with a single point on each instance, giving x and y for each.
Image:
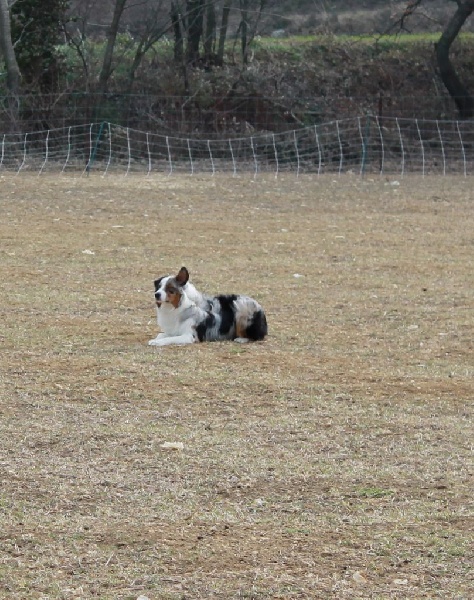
(240, 330)
(173, 293)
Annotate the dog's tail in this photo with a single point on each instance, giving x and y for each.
(250, 319)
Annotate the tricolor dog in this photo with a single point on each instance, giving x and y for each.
(186, 316)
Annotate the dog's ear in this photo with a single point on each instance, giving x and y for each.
(182, 277)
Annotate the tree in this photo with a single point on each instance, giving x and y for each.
(194, 23)
(447, 72)
(36, 31)
(13, 71)
(223, 31)
(106, 70)
(248, 30)
(76, 31)
(6, 45)
(195, 18)
(244, 24)
(209, 42)
(177, 26)
(455, 87)
(197, 23)
(147, 31)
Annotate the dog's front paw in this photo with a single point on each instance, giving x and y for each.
(158, 341)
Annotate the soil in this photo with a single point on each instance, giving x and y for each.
(332, 460)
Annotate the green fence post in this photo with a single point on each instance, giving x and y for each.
(94, 150)
(365, 145)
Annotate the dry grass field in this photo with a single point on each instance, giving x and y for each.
(333, 460)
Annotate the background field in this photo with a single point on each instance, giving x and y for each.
(334, 460)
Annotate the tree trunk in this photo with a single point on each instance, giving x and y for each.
(457, 90)
(6, 45)
(223, 31)
(176, 24)
(106, 69)
(244, 7)
(210, 33)
(13, 71)
(195, 24)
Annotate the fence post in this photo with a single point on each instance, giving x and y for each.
(365, 144)
(94, 150)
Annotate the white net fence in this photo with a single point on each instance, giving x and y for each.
(362, 144)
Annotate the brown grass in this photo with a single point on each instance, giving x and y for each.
(334, 460)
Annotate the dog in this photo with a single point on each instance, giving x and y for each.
(186, 316)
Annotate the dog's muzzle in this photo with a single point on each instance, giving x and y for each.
(158, 299)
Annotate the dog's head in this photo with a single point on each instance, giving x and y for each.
(169, 289)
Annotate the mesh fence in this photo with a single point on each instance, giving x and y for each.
(368, 144)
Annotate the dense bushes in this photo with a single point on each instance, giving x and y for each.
(287, 83)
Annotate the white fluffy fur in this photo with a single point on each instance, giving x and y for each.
(178, 324)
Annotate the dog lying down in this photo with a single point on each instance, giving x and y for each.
(186, 316)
